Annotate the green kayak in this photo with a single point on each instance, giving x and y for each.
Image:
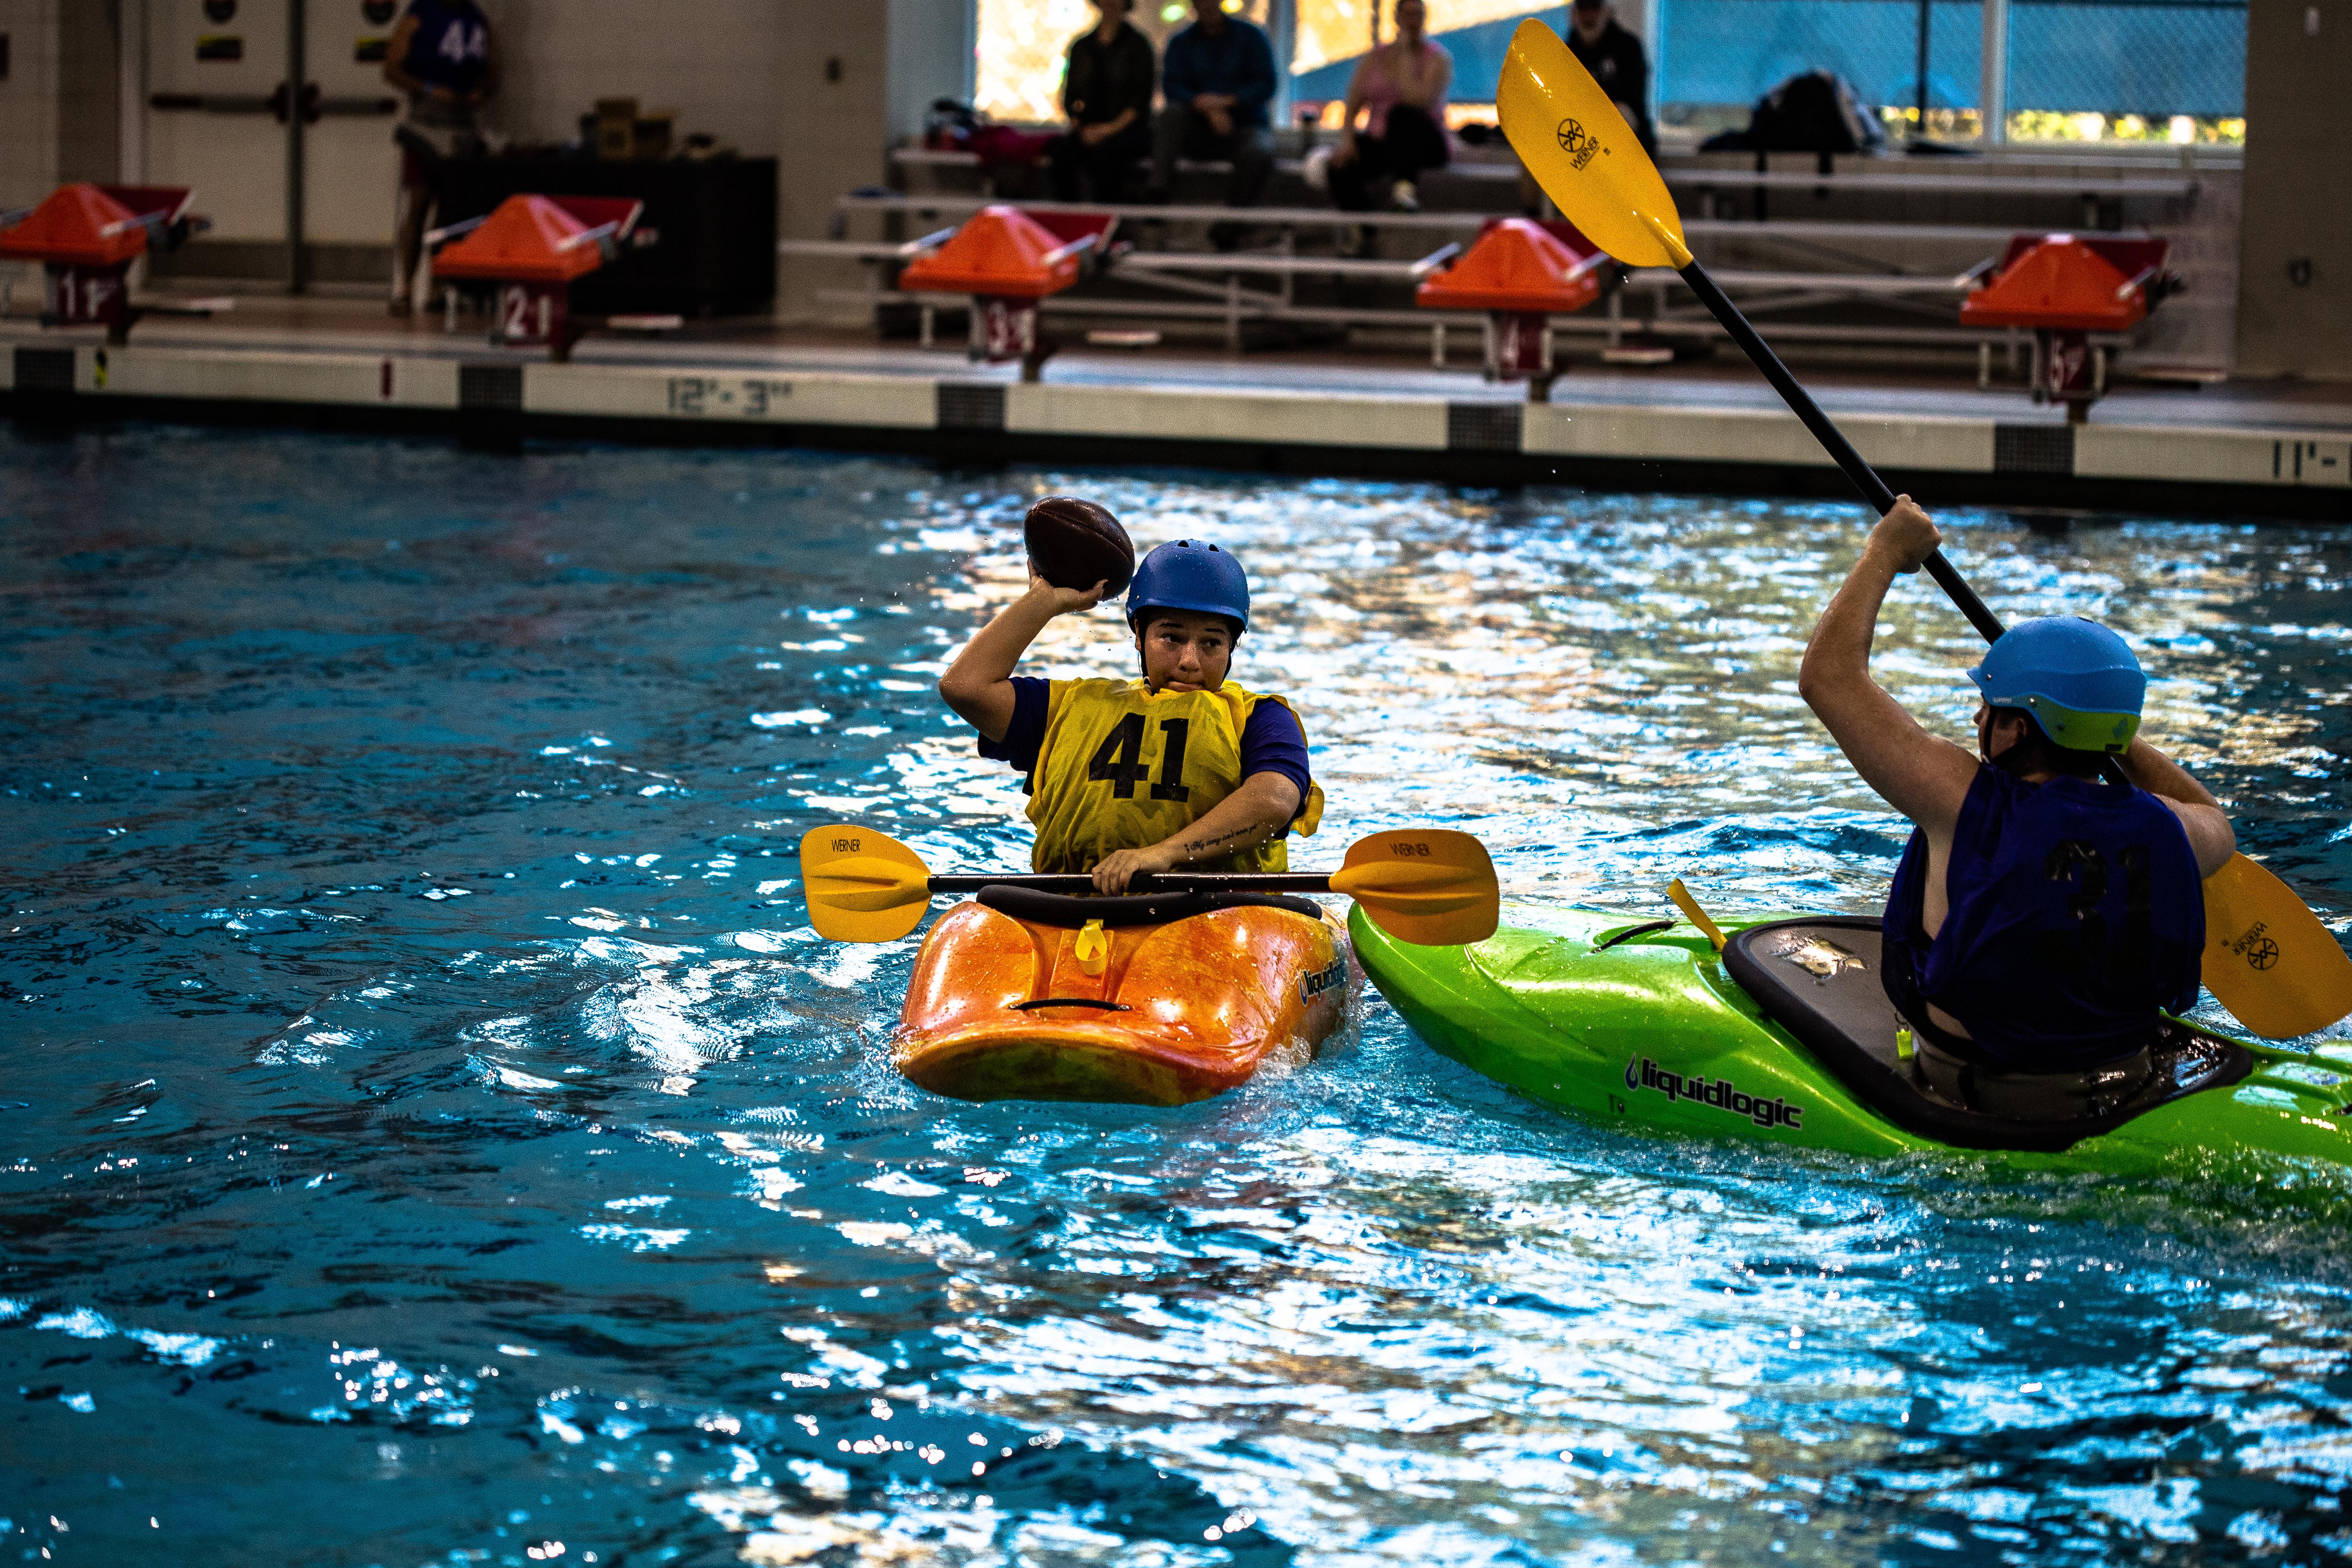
(1786, 1037)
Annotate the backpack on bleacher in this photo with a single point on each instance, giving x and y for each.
(949, 126)
(1815, 112)
(958, 127)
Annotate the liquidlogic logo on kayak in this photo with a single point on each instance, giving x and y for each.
(1328, 978)
(1641, 1073)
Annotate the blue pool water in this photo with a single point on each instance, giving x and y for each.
(430, 1133)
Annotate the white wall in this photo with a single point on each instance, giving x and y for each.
(833, 133)
(2298, 194)
(719, 64)
(806, 81)
(930, 58)
(28, 101)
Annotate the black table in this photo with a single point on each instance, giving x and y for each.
(704, 247)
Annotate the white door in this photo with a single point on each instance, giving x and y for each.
(209, 83)
(350, 163)
(219, 101)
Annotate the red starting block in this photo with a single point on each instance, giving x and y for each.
(1521, 273)
(533, 247)
(1007, 260)
(2066, 287)
(86, 236)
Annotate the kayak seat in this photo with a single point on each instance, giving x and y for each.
(1132, 908)
(1819, 978)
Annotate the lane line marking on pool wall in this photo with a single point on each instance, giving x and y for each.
(2021, 457)
(743, 395)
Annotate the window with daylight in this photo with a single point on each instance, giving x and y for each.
(1023, 45)
(2113, 71)
(1330, 35)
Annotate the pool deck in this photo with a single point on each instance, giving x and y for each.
(2252, 449)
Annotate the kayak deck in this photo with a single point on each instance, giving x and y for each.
(1638, 1022)
(1819, 979)
(1003, 1008)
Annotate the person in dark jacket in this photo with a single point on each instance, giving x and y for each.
(1218, 78)
(1603, 47)
(1106, 93)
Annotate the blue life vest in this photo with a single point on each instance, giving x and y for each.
(451, 46)
(2076, 916)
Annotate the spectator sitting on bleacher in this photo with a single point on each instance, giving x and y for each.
(1603, 45)
(1106, 93)
(1402, 83)
(1218, 78)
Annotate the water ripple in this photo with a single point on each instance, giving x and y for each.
(433, 1134)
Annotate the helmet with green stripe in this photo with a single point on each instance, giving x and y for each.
(2080, 681)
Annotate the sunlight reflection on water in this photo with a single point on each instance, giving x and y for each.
(433, 1134)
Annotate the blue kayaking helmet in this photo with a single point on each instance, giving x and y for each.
(1186, 574)
(2081, 681)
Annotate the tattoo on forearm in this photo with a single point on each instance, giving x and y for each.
(1195, 847)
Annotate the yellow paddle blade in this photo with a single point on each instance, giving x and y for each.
(862, 886)
(1584, 155)
(1431, 887)
(1698, 917)
(2278, 971)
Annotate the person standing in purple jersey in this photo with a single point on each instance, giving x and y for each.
(440, 56)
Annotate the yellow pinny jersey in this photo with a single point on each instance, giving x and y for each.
(1123, 767)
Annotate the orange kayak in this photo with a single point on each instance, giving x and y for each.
(1163, 1013)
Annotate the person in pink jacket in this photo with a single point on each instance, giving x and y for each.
(1400, 87)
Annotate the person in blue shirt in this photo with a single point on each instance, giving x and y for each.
(2041, 918)
(1217, 78)
(439, 56)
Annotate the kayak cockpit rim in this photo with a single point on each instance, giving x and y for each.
(1839, 1008)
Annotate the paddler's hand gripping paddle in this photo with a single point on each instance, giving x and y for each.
(2278, 970)
(1431, 887)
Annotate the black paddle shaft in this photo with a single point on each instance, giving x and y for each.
(1150, 882)
(1841, 450)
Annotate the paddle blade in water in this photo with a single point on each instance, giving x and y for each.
(1431, 887)
(862, 886)
(1581, 151)
(2278, 971)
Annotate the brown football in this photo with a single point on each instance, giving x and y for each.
(1074, 544)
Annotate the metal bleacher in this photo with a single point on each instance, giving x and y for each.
(1957, 182)
(1876, 272)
